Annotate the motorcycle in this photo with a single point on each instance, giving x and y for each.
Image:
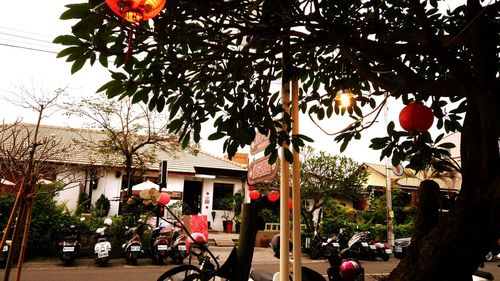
(102, 248)
(380, 249)
(70, 245)
(341, 268)
(5, 250)
(494, 254)
(160, 243)
(319, 246)
(359, 248)
(133, 247)
(178, 250)
(167, 240)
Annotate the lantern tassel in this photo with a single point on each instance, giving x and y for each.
(128, 54)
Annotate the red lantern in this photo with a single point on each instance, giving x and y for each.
(164, 199)
(254, 194)
(136, 10)
(416, 117)
(273, 196)
(290, 203)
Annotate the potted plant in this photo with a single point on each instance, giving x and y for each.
(237, 220)
(227, 204)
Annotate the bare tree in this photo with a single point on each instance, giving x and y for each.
(131, 135)
(29, 156)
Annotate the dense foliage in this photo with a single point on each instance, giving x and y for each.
(218, 59)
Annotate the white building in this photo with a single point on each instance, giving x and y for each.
(198, 180)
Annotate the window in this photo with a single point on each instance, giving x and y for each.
(221, 192)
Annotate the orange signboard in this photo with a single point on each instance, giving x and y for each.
(260, 170)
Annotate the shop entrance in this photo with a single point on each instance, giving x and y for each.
(192, 198)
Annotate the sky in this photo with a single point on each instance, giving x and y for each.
(28, 59)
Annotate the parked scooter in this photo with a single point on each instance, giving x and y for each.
(494, 254)
(178, 250)
(321, 246)
(341, 269)
(102, 248)
(380, 249)
(160, 243)
(70, 245)
(358, 247)
(6, 249)
(133, 247)
(167, 240)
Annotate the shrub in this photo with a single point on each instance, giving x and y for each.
(102, 206)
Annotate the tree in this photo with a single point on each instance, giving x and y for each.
(324, 176)
(201, 59)
(133, 134)
(28, 158)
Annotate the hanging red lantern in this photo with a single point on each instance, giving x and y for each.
(136, 10)
(273, 196)
(164, 199)
(416, 117)
(290, 203)
(254, 194)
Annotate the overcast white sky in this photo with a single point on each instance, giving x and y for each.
(29, 59)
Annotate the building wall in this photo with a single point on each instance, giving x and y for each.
(207, 200)
(69, 195)
(109, 185)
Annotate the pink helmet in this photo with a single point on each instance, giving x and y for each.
(349, 270)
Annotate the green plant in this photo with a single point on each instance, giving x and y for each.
(83, 203)
(102, 206)
(227, 205)
(269, 216)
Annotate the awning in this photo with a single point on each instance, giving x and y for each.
(145, 185)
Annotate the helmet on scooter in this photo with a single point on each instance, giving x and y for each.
(275, 245)
(108, 222)
(349, 270)
(196, 243)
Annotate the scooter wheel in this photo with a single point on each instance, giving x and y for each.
(313, 254)
(385, 257)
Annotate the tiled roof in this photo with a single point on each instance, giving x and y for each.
(414, 182)
(182, 161)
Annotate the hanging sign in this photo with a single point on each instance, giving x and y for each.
(260, 170)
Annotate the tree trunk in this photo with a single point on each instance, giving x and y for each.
(128, 168)
(455, 247)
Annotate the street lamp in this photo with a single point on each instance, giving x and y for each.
(344, 97)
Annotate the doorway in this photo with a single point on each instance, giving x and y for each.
(192, 198)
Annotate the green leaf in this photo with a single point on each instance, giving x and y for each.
(216, 136)
(76, 11)
(68, 51)
(67, 40)
(447, 145)
(107, 85)
(78, 64)
(103, 59)
(288, 155)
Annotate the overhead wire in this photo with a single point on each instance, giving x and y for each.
(20, 39)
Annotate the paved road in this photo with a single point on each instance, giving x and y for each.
(84, 269)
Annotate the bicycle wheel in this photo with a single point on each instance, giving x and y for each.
(182, 272)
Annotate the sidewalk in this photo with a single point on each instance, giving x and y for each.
(261, 255)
